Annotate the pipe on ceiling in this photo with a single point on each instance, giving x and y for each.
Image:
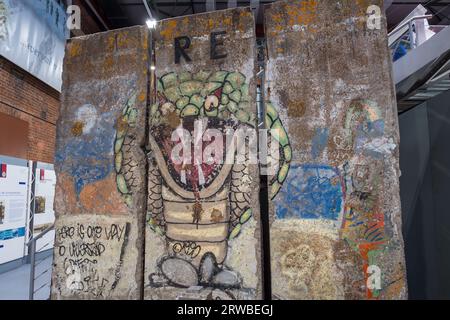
(97, 15)
(148, 9)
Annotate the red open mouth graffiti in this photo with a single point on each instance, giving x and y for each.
(195, 173)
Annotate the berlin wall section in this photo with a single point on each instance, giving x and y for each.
(158, 190)
(203, 226)
(335, 209)
(100, 164)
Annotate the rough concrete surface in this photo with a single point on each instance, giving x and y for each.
(335, 215)
(157, 170)
(202, 234)
(100, 165)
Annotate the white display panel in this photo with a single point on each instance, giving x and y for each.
(44, 215)
(13, 208)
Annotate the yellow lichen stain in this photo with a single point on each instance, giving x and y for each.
(75, 49)
(169, 31)
(278, 19)
(304, 14)
(145, 43)
(228, 21)
(122, 40)
(211, 24)
(111, 43)
(242, 27)
(77, 128)
(109, 62)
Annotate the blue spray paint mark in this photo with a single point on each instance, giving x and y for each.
(311, 192)
(89, 158)
(319, 142)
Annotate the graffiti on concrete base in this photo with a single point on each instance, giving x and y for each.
(351, 192)
(92, 256)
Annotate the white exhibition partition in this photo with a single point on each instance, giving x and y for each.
(44, 194)
(13, 208)
(15, 198)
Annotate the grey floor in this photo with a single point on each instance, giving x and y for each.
(14, 285)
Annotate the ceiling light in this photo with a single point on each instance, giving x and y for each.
(151, 24)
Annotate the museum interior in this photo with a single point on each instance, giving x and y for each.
(103, 104)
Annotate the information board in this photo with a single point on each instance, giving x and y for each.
(44, 216)
(13, 208)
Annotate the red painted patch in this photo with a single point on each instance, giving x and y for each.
(3, 170)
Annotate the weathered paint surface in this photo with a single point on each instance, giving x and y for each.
(100, 194)
(94, 257)
(336, 222)
(202, 234)
(335, 210)
(311, 192)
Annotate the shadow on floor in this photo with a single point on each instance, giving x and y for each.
(15, 284)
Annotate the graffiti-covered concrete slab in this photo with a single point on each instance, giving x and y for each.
(202, 234)
(100, 166)
(93, 257)
(335, 213)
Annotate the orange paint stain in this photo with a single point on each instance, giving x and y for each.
(304, 14)
(211, 24)
(75, 49)
(65, 196)
(109, 62)
(169, 31)
(102, 197)
(228, 21)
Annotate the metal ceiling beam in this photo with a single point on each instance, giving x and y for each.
(97, 15)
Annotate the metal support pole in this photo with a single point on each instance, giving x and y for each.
(32, 206)
(264, 183)
(32, 249)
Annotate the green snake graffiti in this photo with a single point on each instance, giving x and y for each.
(124, 163)
(222, 100)
(188, 94)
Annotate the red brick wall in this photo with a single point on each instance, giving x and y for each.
(27, 98)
